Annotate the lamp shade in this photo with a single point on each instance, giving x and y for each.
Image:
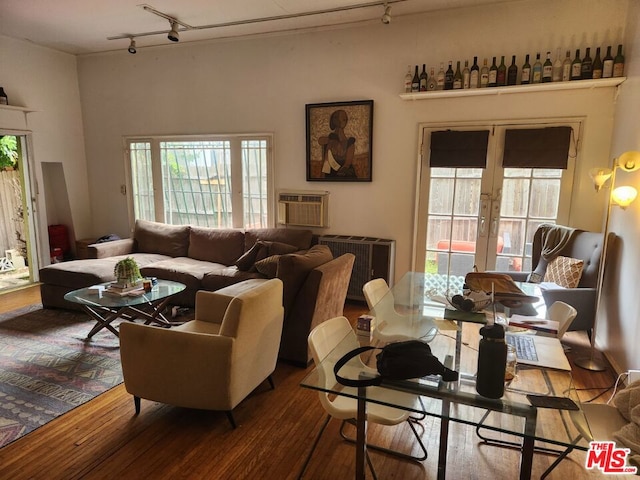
(623, 196)
(600, 176)
(629, 161)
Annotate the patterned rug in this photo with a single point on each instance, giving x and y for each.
(47, 367)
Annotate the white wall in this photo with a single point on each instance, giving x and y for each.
(46, 81)
(262, 84)
(619, 319)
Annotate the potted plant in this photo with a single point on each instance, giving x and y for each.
(127, 273)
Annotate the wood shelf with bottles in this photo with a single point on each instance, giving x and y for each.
(530, 88)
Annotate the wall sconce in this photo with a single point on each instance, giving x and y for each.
(600, 176)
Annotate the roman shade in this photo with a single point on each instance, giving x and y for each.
(537, 147)
(459, 149)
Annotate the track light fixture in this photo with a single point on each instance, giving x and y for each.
(386, 17)
(173, 35)
(132, 46)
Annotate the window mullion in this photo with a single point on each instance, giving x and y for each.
(237, 206)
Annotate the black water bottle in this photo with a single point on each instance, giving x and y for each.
(492, 361)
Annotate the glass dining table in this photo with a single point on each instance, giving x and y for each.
(409, 308)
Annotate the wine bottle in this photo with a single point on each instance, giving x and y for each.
(566, 67)
(526, 72)
(597, 65)
(607, 64)
(474, 77)
(440, 78)
(484, 75)
(547, 69)
(587, 66)
(448, 78)
(423, 79)
(457, 78)
(502, 73)
(432, 84)
(415, 82)
(618, 63)
(512, 73)
(556, 74)
(576, 67)
(466, 75)
(493, 74)
(408, 80)
(536, 76)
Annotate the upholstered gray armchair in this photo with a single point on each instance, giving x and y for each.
(582, 245)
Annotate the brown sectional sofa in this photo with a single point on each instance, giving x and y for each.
(315, 284)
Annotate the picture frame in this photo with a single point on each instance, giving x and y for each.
(339, 141)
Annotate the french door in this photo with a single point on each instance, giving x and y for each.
(485, 218)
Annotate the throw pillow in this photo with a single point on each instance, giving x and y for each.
(246, 261)
(268, 266)
(564, 271)
(535, 278)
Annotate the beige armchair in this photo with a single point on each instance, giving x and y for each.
(214, 361)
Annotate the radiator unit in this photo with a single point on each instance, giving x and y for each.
(305, 209)
(375, 258)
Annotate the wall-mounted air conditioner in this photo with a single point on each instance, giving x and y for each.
(306, 209)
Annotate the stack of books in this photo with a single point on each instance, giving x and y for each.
(119, 290)
(533, 323)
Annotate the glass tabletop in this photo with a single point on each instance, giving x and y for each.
(91, 297)
(409, 310)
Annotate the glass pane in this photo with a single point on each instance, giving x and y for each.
(197, 183)
(441, 196)
(142, 181)
(438, 233)
(467, 198)
(254, 179)
(545, 195)
(515, 197)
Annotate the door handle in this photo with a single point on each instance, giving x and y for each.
(495, 217)
(483, 218)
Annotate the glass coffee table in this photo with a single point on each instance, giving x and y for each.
(105, 308)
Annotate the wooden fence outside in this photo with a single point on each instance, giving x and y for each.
(10, 206)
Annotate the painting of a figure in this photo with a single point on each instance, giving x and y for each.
(339, 137)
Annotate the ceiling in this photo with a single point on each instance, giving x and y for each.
(83, 26)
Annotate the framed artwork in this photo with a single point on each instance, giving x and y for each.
(339, 141)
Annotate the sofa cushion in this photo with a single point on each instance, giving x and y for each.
(181, 269)
(268, 266)
(223, 277)
(154, 237)
(248, 259)
(301, 239)
(216, 245)
(83, 273)
(293, 269)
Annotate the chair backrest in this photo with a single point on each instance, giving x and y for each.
(323, 341)
(374, 290)
(562, 313)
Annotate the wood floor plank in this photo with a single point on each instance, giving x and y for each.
(105, 439)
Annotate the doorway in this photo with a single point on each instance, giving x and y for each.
(478, 208)
(17, 229)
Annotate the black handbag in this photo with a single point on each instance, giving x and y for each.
(398, 361)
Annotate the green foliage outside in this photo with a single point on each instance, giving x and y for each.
(8, 151)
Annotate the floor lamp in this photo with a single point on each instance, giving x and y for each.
(622, 197)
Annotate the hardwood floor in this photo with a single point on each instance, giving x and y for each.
(105, 439)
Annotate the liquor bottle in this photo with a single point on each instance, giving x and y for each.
(4, 100)
(556, 74)
(408, 80)
(618, 63)
(502, 73)
(484, 75)
(432, 83)
(587, 66)
(536, 71)
(457, 78)
(566, 67)
(440, 78)
(597, 65)
(607, 64)
(493, 74)
(547, 69)
(474, 77)
(512, 73)
(423, 79)
(526, 72)
(466, 75)
(576, 67)
(448, 78)
(415, 82)
(492, 361)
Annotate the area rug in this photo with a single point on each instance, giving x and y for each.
(47, 367)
